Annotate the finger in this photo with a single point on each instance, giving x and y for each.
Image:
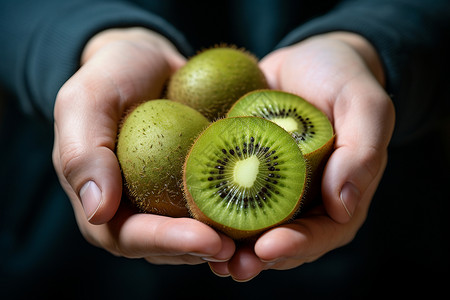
(303, 240)
(245, 265)
(91, 194)
(147, 235)
(226, 252)
(364, 121)
(219, 268)
(185, 259)
(300, 242)
(345, 183)
(270, 65)
(192, 258)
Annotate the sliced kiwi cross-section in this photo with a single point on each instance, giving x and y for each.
(309, 126)
(244, 175)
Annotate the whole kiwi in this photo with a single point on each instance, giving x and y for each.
(152, 143)
(244, 175)
(214, 79)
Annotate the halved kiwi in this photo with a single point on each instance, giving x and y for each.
(309, 126)
(244, 175)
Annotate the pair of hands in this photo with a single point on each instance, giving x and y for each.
(339, 72)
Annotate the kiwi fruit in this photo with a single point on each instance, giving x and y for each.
(310, 127)
(214, 79)
(152, 143)
(243, 176)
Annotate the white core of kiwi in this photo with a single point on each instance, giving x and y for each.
(245, 171)
(288, 124)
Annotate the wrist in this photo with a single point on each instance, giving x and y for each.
(364, 49)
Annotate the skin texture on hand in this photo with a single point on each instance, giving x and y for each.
(341, 74)
(120, 68)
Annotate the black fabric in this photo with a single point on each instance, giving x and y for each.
(42, 45)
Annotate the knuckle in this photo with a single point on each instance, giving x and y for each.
(113, 247)
(65, 97)
(55, 158)
(103, 241)
(372, 161)
(70, 158)
(89, 236)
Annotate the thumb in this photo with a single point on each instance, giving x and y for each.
(84, 155)
(364, 121)
(349, 173)
(95, 181)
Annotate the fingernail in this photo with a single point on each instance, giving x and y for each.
(91, 196)
(269, 265)
(200, 254)
(349, 196)
(218, 274)
(244, 280)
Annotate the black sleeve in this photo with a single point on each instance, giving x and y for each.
(41, 43)
(411, 37)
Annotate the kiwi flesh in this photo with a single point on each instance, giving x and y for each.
(214, 79)
(309, 126)
(152, 142)
(243, 176)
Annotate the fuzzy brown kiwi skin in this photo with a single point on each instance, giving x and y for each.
(239, 235)
(317, 161)
(165, 204)
(169, 200)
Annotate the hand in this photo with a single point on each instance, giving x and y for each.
(120, 67)
(341, 74)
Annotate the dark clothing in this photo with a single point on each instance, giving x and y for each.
(41, 249)
(42, 40)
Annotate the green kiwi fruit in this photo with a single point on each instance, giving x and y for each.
(152, 143)
(243, 176)
(309, 126)
(214, 79)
